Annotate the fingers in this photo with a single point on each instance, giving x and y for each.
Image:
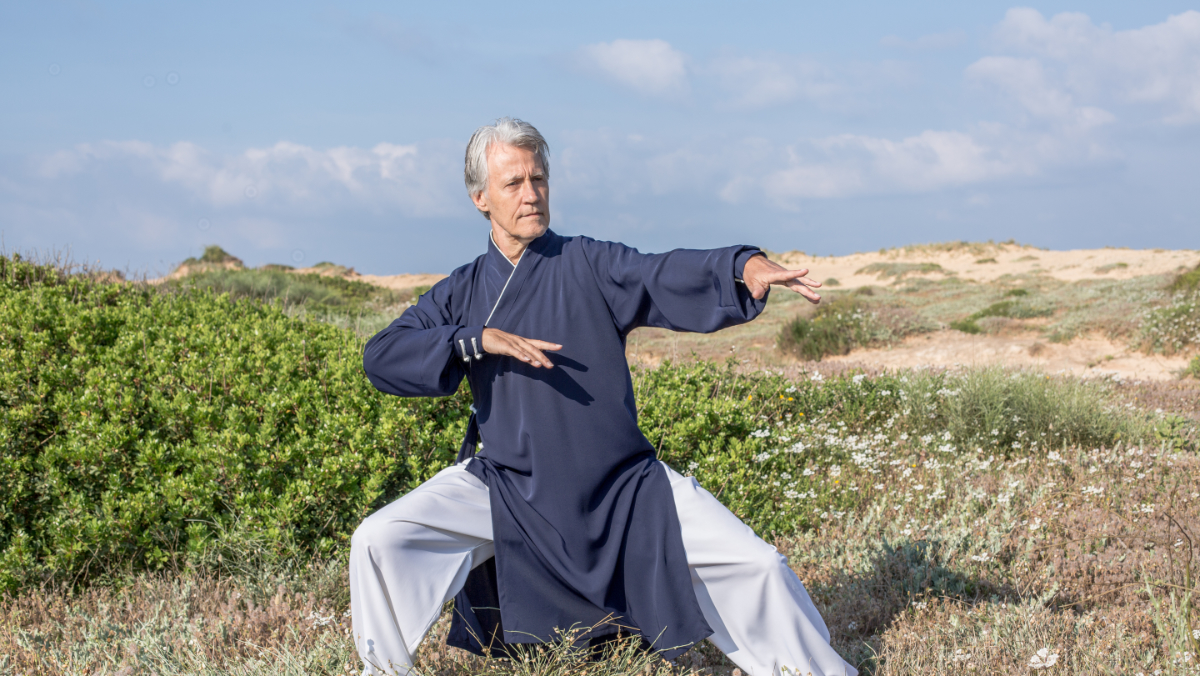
(527, 350)
(801, 288)
(780, 276)
(543, 345)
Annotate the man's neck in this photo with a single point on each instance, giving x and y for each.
(510, 246)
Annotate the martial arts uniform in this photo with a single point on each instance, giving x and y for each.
(584, 523)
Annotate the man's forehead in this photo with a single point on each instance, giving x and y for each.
(510, 159)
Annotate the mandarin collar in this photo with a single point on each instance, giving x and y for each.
(501, 261)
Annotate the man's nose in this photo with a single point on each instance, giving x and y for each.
(529, 194)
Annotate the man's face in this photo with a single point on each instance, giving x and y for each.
(518, 194)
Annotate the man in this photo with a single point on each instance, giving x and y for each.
(564, 517)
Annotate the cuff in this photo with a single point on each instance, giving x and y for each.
(739, 263)
(468, 343)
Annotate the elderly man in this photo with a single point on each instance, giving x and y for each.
(558, 514)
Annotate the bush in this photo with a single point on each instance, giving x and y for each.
(839, 324)
(139, 429)
(314, 291)
(900, 270)
(1188, 282)
(1010, 309)
(1174, 327)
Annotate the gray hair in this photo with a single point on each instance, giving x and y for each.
(507, 130)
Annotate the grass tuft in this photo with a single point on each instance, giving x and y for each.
(883, 270)
(1188, 282)
(1008, 309)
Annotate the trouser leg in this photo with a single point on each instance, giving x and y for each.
(762, 617)
(409, 558)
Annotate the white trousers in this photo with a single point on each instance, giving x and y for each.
(413, 555)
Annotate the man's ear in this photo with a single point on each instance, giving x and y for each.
(481, 201)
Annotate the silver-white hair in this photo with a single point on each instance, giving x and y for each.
(507, 130)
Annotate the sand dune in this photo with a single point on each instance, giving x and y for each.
(990, 262)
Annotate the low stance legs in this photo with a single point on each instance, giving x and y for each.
(413, 555)
(408, 559)
(761, 616)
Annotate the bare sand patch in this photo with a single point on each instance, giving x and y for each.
(401, 282)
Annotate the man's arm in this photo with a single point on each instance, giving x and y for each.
(681, 290)
(423, 353)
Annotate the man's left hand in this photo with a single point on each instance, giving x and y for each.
(761, 273)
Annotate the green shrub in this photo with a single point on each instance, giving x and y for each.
(900, 270)
(1193, 368)
(1011, 309)
(1174, 327)
(1188, 282)
(314, 291)
(214, 255)
(136, 427)
(839, 324)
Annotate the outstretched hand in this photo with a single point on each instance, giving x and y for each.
(527, 350)
(761, 273)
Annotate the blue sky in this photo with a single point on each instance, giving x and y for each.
(136, 133)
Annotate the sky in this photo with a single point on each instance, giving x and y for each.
(135, 134)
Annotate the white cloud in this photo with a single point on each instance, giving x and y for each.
(407, 178)
(1027, 83)
(651, 67)
(1156, 64)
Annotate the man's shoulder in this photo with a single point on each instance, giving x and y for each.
(585, 244)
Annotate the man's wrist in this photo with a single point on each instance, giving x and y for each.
(739, 263)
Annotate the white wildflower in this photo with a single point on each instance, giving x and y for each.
(761, 434)
(1044, 659)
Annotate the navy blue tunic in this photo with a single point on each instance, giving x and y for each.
(583, 516)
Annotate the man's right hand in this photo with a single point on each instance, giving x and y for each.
(527, 350)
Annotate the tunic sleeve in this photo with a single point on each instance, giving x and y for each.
(681, 290)
(424, 353)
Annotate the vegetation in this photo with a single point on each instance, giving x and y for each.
(1186, 283)
(883, 270)
(180, 471)
(143, 430)
(1175, 326)
(312, 291)
(1008, 309)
